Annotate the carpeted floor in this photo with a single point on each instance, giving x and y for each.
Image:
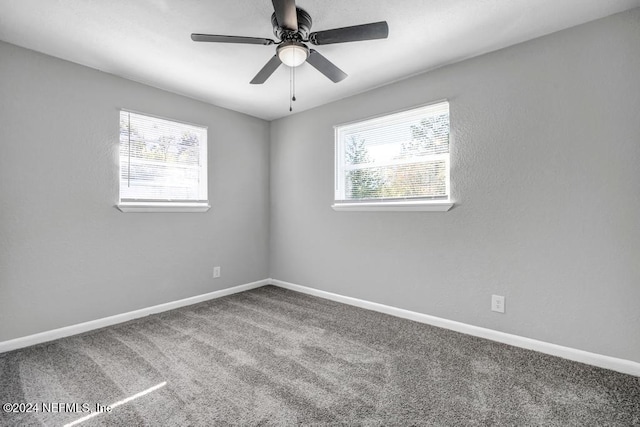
(276, 357)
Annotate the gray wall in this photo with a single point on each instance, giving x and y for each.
(545, 176)
(67, 255)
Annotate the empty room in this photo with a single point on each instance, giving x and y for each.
(332, 213)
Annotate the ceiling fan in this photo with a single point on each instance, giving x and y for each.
(291, 26)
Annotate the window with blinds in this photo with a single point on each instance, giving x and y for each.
(162, 162)
(398, 157)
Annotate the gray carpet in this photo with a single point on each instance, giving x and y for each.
(275, 357)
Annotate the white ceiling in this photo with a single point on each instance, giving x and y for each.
(149, 41)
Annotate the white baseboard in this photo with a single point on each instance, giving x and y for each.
(120, 318)
(607, 362)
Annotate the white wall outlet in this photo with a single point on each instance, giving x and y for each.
(216, 272)
(497, 303)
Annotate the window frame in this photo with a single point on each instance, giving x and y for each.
(389, 204)
(146, 205)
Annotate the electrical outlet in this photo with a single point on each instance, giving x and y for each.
(497, 303)
(216, 272)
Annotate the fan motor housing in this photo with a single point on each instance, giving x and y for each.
(304, 26)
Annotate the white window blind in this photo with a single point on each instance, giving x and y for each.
(400, 156)
(162, 161)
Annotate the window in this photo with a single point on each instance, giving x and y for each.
(395, 162)
(163, 165)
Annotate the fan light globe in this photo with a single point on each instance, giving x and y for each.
(293, 54)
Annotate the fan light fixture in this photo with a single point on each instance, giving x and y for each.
(293, 53)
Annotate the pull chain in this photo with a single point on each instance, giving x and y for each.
(292, 87)
(293, 98)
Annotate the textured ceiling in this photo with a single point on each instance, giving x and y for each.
(149, 41)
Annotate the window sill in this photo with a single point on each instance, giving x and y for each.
(435, 206)
(163, 207)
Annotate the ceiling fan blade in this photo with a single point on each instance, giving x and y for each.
(286, 14)
(325, 66)
(266, 71)
(375, 30)
(229, 39)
